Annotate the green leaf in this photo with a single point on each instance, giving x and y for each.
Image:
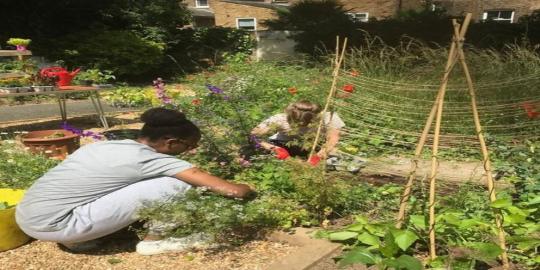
(388, 247)
(342, 236)
(409, 262)
(405, 238)
(356, 227)
(361, 219)
(357, 255)
(485, 251)
(114, 260)
(501, 203)
(419, 221)
(369, 239)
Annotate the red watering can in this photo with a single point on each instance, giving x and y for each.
(64, 76)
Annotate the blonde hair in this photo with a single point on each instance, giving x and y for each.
(302, 112)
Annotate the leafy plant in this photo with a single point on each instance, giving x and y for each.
(19, 168)
(379, 244)
(95, 75)
(18, 41)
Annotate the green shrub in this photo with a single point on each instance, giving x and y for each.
(122, 52)
(193, 49)
(19, 168)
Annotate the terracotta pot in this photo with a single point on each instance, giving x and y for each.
(44, 142)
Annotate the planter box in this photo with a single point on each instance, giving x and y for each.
(11, 90)
(55, 143)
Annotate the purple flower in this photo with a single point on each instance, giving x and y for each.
(214, 89)
(80, 132)
(255, 140)
(159, 85)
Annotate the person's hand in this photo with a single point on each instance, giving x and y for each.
(281, 153)
(314, 160)
(246, 191)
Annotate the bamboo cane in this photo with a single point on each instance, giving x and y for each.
(435, 148)
(450, 63)
(486, 160)
(329, 98)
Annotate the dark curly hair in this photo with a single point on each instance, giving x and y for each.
(167, 123)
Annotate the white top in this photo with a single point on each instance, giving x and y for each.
(89, 173)
(279, 122)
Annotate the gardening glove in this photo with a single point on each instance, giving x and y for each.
(281, 153)
(314, 160)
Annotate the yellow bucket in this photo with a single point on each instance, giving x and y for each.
(10, 234)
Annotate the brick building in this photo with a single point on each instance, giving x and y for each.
(497, 10)
(234, 13)
(250, 14)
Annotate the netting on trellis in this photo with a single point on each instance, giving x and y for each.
(393, 113)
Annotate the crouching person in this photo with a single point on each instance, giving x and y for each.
(99, 189)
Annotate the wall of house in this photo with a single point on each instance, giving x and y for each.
(191, 3)
(376, 8)
(226, 14)
(274, 45)
(477, 7)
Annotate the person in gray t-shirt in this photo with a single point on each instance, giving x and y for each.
(99, 188)
(301, 118)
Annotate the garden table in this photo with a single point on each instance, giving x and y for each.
(62, 91)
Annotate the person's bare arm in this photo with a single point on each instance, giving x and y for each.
(332, 138)
(200, 178)
(260, 131)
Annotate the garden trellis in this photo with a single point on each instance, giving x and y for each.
(380, 112)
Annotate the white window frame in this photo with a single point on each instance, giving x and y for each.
(354, 14)
(247, 18)
(197, 5)
(511, 20)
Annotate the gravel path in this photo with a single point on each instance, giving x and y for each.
(47, 255)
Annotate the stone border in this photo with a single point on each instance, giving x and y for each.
(310, 252)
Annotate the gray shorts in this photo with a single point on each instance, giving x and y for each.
(112, 212)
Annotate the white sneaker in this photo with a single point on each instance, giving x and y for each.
(171, 244)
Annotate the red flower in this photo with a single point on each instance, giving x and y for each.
(354, 73)
(348, 88)
(531, 112)
(292, 90)
(196, 102)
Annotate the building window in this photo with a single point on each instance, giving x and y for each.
(359, 16)
(249, 24)
(499, 16)
(201, 3)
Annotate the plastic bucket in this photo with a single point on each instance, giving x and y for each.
(11, 235)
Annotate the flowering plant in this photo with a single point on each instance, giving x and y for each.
(159, 87)
(82, 133)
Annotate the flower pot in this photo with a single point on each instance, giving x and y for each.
(55, 143)
(11, 235)
(21, 48)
